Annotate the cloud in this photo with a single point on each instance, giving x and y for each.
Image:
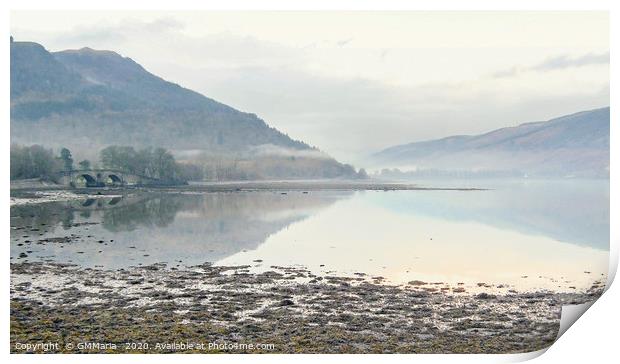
(164, 25)
(344, 42)
(556, 63)
(564, 61)
(266, 150)
(510, 72)
(384, 53)
(165, 39)
(123, 31)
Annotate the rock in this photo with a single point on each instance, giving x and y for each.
(485, 296)
(417, 283)
(286, 302)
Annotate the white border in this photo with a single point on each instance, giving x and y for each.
(535, 5)
(592, 337)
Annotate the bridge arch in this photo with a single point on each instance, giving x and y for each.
(104, 177)
(114, 201)
(89, 202)
(88, 180)
(113, 179)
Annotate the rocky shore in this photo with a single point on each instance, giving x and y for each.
(282, 310)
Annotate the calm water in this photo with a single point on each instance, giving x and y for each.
(530, 235)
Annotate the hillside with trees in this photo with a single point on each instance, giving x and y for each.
(87, 100)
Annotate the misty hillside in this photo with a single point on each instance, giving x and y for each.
(575, 145)
(87, 99)
(88, 96)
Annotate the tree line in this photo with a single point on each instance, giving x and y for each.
(151, 162)
(33, 161)
(36, 161)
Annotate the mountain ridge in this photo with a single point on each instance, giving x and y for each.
(574, 144)
(105, 87)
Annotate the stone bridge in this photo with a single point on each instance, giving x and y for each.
(103, 178)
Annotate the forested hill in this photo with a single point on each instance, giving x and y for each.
(88, 98)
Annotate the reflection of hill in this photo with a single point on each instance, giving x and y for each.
(146, 228)
(154, 211)
(575, 212)
(209, 227)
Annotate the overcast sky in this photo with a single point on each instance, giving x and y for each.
(352, 83)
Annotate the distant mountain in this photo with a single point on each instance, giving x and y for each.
(575, 145)
(86, 99)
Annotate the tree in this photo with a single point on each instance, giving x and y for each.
(122, 158)
(191, 172)
(164, 164)
(32, 162)
(66, 158)
(85, 164)
(155, 163)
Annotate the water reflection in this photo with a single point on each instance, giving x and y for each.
(180, 229)
(356, 236)
(572, 211)
(154, 211)
(556, 235)
(39, 217)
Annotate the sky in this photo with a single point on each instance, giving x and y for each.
(353, 83)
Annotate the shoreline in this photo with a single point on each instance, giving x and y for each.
(24, 196)
(292, 308)
(256, 185)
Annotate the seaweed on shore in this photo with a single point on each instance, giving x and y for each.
(285, 307)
